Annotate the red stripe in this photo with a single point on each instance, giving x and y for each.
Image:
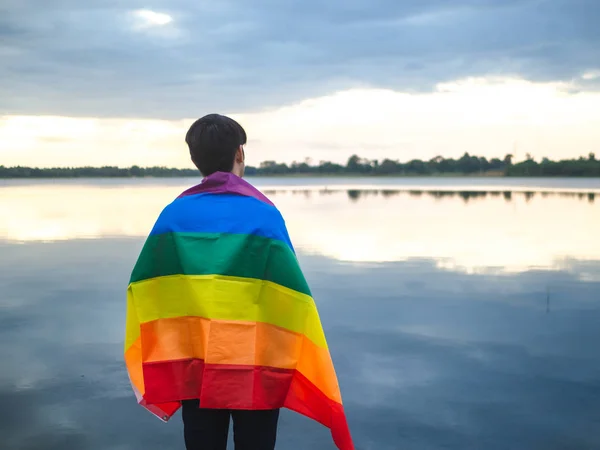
(305, 398)
(162, 410)
(216, 385)
(244, 387)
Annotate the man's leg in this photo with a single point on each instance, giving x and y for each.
(204, 429)
(255, 430)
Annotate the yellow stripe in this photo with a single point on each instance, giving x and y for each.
(226, 298)
(132, 324)
(133, 346)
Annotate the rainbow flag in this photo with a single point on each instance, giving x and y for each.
(218, 310)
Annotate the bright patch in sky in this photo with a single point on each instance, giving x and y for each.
(147, 18)
(481, 116)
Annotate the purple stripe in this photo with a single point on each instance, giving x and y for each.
(226, 183)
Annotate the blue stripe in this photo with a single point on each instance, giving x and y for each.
(222, 213)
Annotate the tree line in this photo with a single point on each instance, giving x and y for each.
(466, 165)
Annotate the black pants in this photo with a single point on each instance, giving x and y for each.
(207, 429)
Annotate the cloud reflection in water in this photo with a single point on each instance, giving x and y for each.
(468, 229)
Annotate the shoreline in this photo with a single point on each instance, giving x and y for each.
(412, 185)
(310, 175)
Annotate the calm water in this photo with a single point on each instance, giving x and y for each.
(457, 320)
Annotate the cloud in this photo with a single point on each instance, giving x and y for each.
(591, 75)
(147, 18)
(68, 57)
(481, 116)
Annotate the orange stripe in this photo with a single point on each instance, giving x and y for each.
(239, 343)
(133, 361)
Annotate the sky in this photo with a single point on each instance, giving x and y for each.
(108, 82)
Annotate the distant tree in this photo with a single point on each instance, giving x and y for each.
(496, 164)
(387, 167)
(273, 168)
(353, 164)
(484, 164)
(326, 167)
(468, 164)
(359, 165)
(136, 171)
(416, 167)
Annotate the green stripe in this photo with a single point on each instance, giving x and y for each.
(237, 255)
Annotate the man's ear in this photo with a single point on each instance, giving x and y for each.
(240, 155)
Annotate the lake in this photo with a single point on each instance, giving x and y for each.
(461, 313)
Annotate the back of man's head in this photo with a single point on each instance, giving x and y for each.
(214, 141)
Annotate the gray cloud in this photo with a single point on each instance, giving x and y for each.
(82, 58)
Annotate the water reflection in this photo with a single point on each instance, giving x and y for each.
(458, 317)
(353, 194)
(357, 194)
(427, 358)
(469, 229)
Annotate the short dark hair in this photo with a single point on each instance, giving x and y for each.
(213, 141)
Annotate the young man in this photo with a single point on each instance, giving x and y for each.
(220, 320)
